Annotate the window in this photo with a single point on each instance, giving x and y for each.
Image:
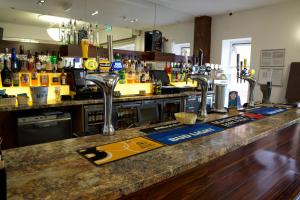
(183, 49)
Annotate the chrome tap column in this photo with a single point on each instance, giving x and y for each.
(108, 83)
(203, 82)
(252, 83)
(200, 73)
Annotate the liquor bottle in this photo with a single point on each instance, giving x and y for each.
(48, 63)
(1, 64)
(33, 71)
(37, 62)
(91, 34)
(97, 36)
(22, 50)
(63, 77)
(42, 59)
(63, 34)
(6, 75)
(14, 67)
(6, 57)
(53, 62)
(55, 77)
(44, 77)
(60, 64)
(30, 62)
(75, 33)
(25, 75)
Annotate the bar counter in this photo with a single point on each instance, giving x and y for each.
(53, 104)
(56, 171)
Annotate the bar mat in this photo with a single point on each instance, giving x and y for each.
(230, 122)
(268, 111)
(183, 134)
(254, 116)
(162, 128)
(115, 151)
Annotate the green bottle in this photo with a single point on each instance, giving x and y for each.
(121, 72)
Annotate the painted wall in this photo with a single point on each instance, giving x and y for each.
(272, 27)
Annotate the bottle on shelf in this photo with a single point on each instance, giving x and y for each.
(33, 72)
(97, 36)
(42, 59)
(49, 67)
(91, 34)
(1, 64)
(6, 75)
(63, 34)
(63, 77)
(6, 57)
(60, 63)
(22, 52)
(44, 79)
(24, 73)
(14, 67)
(37, 62)
(55, 77)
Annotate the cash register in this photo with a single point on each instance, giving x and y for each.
(83, 89)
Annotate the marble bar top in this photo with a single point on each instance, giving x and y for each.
(56, 171)
(97, 101)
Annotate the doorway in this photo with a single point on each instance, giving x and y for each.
(230, 49)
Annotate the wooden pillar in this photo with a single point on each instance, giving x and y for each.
(202, 36)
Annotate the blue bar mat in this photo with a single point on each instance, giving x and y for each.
(184, 134)
(268, 111)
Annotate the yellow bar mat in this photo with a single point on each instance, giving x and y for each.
(115, 151)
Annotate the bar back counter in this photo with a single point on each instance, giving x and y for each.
(88, 115)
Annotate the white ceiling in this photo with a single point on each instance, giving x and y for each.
(168, 11)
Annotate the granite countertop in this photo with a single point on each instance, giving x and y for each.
(55, 170)
(97, 101)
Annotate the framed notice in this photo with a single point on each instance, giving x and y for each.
(272, 58)
(273, 75)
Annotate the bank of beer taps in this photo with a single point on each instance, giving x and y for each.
(247, 75)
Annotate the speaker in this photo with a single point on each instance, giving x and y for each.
(153, 41)
(1, 33)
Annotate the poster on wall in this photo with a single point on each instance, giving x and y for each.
(272, 58)
(273, 75)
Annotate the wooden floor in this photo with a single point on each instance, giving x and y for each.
(266, 169)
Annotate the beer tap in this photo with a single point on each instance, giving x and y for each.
(107, 82)
(246, 76)
(200, 73)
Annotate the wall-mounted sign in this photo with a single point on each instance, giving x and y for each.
(117, 65)
(272, 58)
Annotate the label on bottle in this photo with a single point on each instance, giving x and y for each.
(25, 80)
(15, 79)
(63, 80)
(34, 75)
(38, 66)
(6, 81)
(49, 66)
(55, 80)
(44, 79)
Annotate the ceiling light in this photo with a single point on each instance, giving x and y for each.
(54, 34)
(134, 20)
(52, 19)
(95, 13)
(40, 2)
